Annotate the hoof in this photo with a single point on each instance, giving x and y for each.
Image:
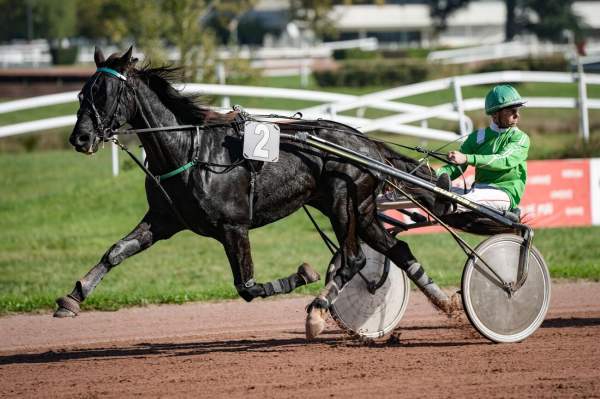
(451, 306)
(62, 312)
(315, 321)
(67, 307)
(309, 274)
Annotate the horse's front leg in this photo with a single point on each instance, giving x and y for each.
(344, 219)
(237, 247)
(146, 233)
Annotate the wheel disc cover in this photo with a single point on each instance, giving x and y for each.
(371, 315)
(498, 316)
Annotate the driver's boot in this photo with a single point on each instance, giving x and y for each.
(445, 303)
(443, 205)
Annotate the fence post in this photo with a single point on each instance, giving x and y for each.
(458, 107)
(115, 159)
(304, 73)
(225, 101)
(584, 123)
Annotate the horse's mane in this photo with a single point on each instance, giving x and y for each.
(188, 108)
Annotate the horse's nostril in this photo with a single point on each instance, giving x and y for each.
(83, 139)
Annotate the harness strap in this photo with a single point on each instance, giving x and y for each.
(112, 72)
(178, 170)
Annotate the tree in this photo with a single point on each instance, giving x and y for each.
(547, 19)
(37, 19)
(440, 10)
(553, 18)
(316, 14)
(195, 43)
(226, 16)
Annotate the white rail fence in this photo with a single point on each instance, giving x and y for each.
(338, 106)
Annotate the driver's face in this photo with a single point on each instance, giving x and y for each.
(507, 117)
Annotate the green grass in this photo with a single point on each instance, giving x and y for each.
(60, 211)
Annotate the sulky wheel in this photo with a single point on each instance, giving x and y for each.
(493, 311)
(366, 314)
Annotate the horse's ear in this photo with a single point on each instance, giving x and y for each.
(98, 56)
(126, 58)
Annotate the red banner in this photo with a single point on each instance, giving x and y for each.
(557, 193)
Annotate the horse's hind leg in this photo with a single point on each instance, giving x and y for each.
(237, 247)
(374, 234)
(146, 233)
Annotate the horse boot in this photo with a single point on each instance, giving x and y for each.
(442, 205)
(303, 276)
(447, 304)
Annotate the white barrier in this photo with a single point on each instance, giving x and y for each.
(335, 103)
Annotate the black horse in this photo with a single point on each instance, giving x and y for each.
(222, 205)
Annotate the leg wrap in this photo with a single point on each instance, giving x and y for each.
(283, 285)
(431, 290)
(417, 274)
(305, 275)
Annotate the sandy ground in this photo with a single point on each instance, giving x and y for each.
(235, 349)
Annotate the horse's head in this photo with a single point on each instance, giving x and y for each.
(106, 102)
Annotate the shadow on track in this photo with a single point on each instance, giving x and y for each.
(571, 322)
(159, 349)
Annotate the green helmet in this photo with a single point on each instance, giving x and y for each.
(502, 96)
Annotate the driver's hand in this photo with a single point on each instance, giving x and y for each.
(457, 157)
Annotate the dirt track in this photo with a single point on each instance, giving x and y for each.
(234, 349)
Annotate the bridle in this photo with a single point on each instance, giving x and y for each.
(105, 130)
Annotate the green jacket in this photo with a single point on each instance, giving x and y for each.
(499, 160)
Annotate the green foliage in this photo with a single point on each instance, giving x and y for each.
(226, 16)
(556, 63)
(47, 19)
(314, 14)
(64, 56)
(196, 47)
(440, 10)
(547, 19)
(399, 71)
(367, 73)
(553, 17)
(355, 54)
(57, 19)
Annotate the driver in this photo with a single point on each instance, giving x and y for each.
(497, 152)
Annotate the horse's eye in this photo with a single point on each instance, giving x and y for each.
(80, 97)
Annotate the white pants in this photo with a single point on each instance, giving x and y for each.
(484, 194)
